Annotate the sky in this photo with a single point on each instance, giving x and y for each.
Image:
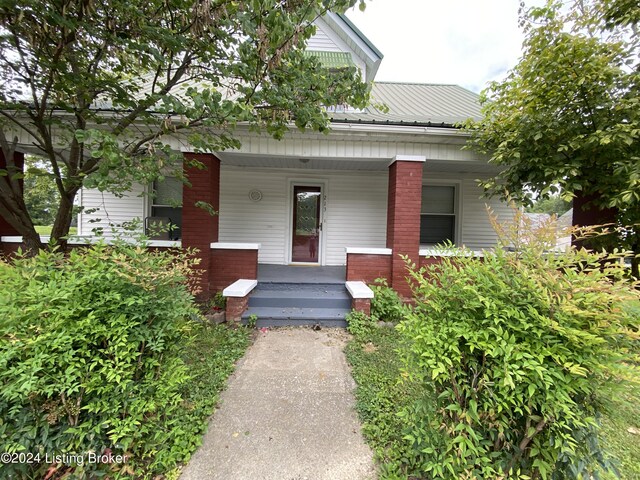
(464, 42)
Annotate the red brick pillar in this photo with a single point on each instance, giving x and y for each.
(5, 227)
(199, 227)
(361, 305)
(585, 213)
(403, 216)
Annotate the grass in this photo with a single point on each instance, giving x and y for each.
(46, 230)
(380, 395)
(624, 414)
(210, 355)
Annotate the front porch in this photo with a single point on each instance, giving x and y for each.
(298, 295)
(295, 274)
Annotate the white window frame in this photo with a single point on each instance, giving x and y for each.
(457, 207)
(150, 203)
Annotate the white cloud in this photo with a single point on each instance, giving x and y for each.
(464, 42)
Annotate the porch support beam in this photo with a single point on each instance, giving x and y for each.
(199, 227)
(403, 217)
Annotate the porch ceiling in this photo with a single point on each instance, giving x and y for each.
(305, 163)
(369, 164)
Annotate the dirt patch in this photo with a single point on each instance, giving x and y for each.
(369, 348)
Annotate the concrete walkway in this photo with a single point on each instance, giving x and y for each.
(287, 414)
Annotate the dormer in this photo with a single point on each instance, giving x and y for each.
(338, 42)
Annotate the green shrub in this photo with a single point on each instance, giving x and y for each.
(89, 357)
(359, 323)
(519, 347)
(386, 304)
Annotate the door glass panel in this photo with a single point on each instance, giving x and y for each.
(306, 224)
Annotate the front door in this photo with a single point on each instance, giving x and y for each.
(305, 243)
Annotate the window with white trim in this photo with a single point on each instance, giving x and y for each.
(165, 221)
(438, 214)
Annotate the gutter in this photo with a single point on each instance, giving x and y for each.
(398, 123)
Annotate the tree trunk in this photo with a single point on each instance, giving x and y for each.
(62, 223)
(32, 243)
(13, 210)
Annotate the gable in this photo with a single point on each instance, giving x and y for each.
(334, 33)
(322, 42)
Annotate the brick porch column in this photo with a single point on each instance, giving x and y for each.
(403, 216)
(5, 227)
(199, 227)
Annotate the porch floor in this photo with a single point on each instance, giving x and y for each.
(301, 274)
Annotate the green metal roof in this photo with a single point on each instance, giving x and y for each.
(331, 59)
(416, 104)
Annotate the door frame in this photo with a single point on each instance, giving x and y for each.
(308, 182)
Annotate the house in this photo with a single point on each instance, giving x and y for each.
(381, 184)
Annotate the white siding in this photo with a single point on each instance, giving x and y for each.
(355, 210)
(321, 40)
(326, 40)
(355, 214)
(477, 232)
(356, 146)
(110, 211)
(242, 220)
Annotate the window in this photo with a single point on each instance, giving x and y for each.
(438, 214)
(165, 222)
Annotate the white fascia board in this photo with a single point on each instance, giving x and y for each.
(88, 240)
(368, 251)
(235, 246)
(164, 243)
(398, 129)
(435, 252)
(12, 239)
(372, 59)
(408, 158)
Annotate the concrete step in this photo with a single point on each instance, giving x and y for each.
(280, 304)
(281, 316)
(298, 287)
(316, 297)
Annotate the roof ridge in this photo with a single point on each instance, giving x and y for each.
(426, 84)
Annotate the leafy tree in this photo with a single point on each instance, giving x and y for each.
(554, 204)
(568, 115)
(40, 194)
(98, 87)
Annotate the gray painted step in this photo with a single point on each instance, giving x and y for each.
(302, 297)
(297, 313)
(280, 304)
(299, 287)
(280, 316)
